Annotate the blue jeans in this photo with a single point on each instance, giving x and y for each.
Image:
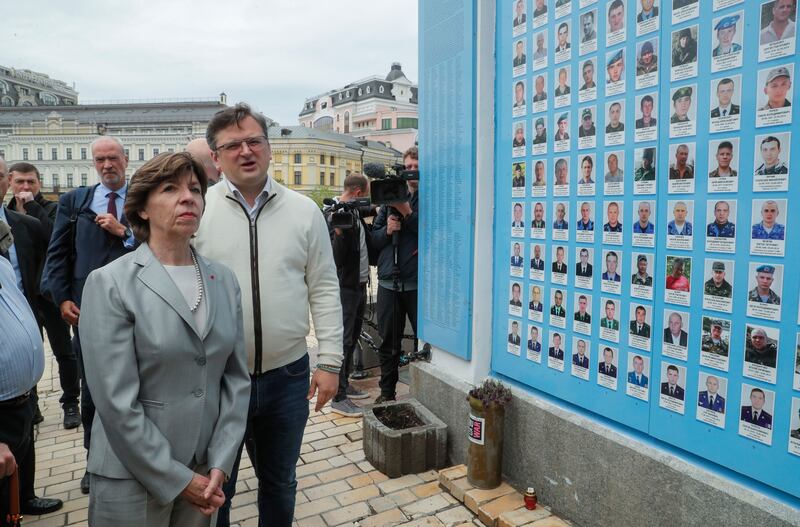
(275, 425)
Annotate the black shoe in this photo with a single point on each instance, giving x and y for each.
(39, 506)
(383, 399)
(72, 416)
(37, 416)
(85, 483)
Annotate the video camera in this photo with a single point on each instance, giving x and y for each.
(387, 189)
(342, 216)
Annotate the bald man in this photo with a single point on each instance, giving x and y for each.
(202, 153)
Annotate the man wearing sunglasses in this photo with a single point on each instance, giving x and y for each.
(276, 241)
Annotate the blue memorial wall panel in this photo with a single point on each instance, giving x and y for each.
(643, 264)
(447, 165)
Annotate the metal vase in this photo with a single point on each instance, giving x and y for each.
(485, 461)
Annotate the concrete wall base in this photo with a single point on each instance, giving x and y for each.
(594, 475)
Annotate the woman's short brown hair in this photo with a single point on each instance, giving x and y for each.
(163, 167)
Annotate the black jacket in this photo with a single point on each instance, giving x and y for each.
(407, 250)
(347, 249)
(30, 243)
(42, 209)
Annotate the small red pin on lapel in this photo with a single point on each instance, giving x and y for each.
(211, 276)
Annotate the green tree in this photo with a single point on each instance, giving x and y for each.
(320, 193)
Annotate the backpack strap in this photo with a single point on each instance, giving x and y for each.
(88, 193)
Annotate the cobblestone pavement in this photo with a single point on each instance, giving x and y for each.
(336, 485)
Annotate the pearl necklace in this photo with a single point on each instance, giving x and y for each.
(199, 279)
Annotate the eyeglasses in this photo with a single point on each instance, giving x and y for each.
(255, 144)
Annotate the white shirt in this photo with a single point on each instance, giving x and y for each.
(260, 199)
(12, 252)
(676, 339)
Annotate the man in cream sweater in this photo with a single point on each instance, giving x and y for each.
(276, 242)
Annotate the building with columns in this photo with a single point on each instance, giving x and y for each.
(376, 109)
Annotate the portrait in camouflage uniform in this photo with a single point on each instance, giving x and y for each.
(716, 336)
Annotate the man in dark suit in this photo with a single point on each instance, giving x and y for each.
(537, 263)
(639, 327)
(607, 366)
(516, 259)
(90, 231)
(559, 266)
(555, 350)
(27, 199)
(558, 309)
(583, 268)
(637, 376)
(671, 387)
(755, 413)
(520, 16)
(725, 90)
(513, 337)
(581, 315)
(580, 358)
(674, 334)
(709, 398)
(26, 254)
(533, 342)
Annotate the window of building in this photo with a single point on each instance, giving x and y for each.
(128, 153)
(322, 178)
(69, 154)
(39, 154)
(332, 179)
(171, 150)
(340, 96)
(2, 153)
(360, 92)
(369, 89)
(54, 153)
(278, 174)
(141, 154)
(347, 122)
(84, 180)
(333, 161)
(323, 105)
(83, 153)
(69, 181)
(155, 152)
(24, 154)
(380, 89)
(298, 177)
(55, 181)
(297, 158)
(407, 122)
(278, 158)
(321, 159)
(347, 93)
(386, 124)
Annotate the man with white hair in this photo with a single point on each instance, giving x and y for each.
(90, 231)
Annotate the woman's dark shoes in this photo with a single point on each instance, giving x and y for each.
(38, 506)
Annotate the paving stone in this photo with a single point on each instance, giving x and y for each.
(359, 494)
(245, 512)
(318, 455)
(315, 507)
(385, 518)
(359, 481)
(455, 515)
(551, 521)
(312, 521)
(489, 512)
(338, 473)
(426, 506)
(474, 498)
(402, 497)
(459, 488)
(329, 442)
(403, 482)
(350, 513)
(521, 517)
(428, 521)
(427, 489)
(328, 489)
(306, 482)
(313, 468)
(381, 504)
(452, 474)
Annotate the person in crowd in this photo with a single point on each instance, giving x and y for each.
(202, 154)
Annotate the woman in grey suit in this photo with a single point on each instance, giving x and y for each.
(163, 349)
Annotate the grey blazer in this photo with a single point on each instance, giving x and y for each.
(167, 397)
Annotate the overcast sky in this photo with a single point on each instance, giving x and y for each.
(273, 54)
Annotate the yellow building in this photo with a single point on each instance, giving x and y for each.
(305, 158)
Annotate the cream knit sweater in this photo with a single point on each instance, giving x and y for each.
(295, 270)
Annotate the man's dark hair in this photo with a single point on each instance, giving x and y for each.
(615, 104)
(516, 286)
(564, 25)
(24, 168)
(163, 167)
(589, 159)
(356, 180)
(587, 64)
(644, 99)
(759, 390)
(640, 308)
(610, 303)
(607, 349)
(725, 144)
(230, 116)
(674, 368)
(591, 14)
(771, 138)
(615, 4)
(583, 297)
(726, 80)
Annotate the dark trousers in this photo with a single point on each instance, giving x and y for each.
(49, 317)
(87, 405)
(17, 432)
(354, 302)
(276, 421)
(391, 327)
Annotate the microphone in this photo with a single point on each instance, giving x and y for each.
(328, 201)
(374, 170)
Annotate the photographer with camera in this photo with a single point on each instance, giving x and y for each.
(349, 237)
(394, 235)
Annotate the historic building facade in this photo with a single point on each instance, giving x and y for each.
(30, 88)
(376, 109)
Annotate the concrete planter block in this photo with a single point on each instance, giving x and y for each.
(407, 451)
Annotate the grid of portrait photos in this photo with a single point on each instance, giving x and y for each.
(627, 269)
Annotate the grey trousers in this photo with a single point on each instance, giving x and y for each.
(126, 503)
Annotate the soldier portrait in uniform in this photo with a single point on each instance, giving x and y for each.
(539, 8)
(647, 59)
(643, 225)
(614, 222)
(616, 16)
(541, 132)
(683, 165)
(716, 336)
(615, 67)
(771, 163)
(562, 88)
(718, 285)
(519, 54)
(538, 216)
(616, 121)
(711, 398)
(684, 46)
(540, 53)
(648, 10)
(614, 174)
(611, 273)
(610, 321)
(534, 344)
(562, 132)
(725, 92)
(641, 276)
(519, 13)
(671, 385)
(769, 228)
(645, 170)
(722, 227)
(588, 27)
(518, 178)
(558, 308)
(513, 336)
(539, 86)
(559, 265)
(587, 128)
(539, 179)
(759, 347)
(537, 262)
(637, 376)
(535, 304)
(755, 413)
(585, 222)
(680, 224)
(562, 38)
(681, 104)
(517, 213)
(583, 314)
(587, 74)
(776, 88)
(607, 366)
(727, 35)
(639, 325)
(519, 136)
(762, 285)
(724, 156)
(519, 96)
(580, 358)
(556, 351)
(516, 294)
